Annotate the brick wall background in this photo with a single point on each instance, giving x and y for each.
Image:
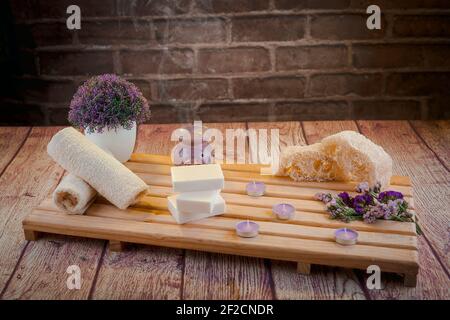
(232, 60)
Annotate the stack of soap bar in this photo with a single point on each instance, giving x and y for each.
(199, 192)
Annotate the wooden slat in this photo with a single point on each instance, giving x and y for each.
(399, 183)
(240, 199)
(142, 272)
(278, 191)
(223, 241)
(151, 158)
(430, 179)
(224, 222)
(323, 282)
(254, 168)
(304, 268)
(41, 273)
(301, 217)
(166, 160)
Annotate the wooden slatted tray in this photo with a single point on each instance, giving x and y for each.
(306, 239)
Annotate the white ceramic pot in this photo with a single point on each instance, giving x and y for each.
(120, 143)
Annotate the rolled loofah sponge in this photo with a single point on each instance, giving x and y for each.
(359, 158)
(79, 156)
(345, 156)
(73, 195)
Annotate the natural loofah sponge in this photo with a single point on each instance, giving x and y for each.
(308, 163)
(359, 158)
(73, 195)
(345, 156)
(80, 157)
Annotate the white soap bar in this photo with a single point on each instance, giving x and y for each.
(199, 201)
(206, 177)
(183, 217)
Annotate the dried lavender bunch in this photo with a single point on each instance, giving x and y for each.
(369, 205)
(107, 102)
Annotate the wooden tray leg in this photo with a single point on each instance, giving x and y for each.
(31, 235)
(410, 279)
(116, 246)
(303, 268)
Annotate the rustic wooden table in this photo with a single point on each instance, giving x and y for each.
(37, 270)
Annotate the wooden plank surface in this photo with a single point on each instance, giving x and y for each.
(28, 280)
(430, 180)
(11, 140)
(38, 269)
(41, 272)
(436, 135)
(143, 272)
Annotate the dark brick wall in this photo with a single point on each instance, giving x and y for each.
(233, 60)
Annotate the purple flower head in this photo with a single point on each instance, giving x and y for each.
(374, 212)
(382, 211)
(388, 212)
(324, 197)
(362, 187)
(332, 203)
(348, 201)
(389, 195)
(370, 216)
(107, 102)
(398, 208)
(360, 203)
(393, 206)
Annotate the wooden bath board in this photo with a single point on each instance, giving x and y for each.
(306, 239)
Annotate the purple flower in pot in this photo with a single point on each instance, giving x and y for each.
(108, 109)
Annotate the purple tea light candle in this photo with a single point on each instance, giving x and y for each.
(284, 211)
(256, 189)
(194, 151)
(346, 236)
(247, 229)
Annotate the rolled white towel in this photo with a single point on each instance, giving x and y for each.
(79, 156)
(73, 195)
